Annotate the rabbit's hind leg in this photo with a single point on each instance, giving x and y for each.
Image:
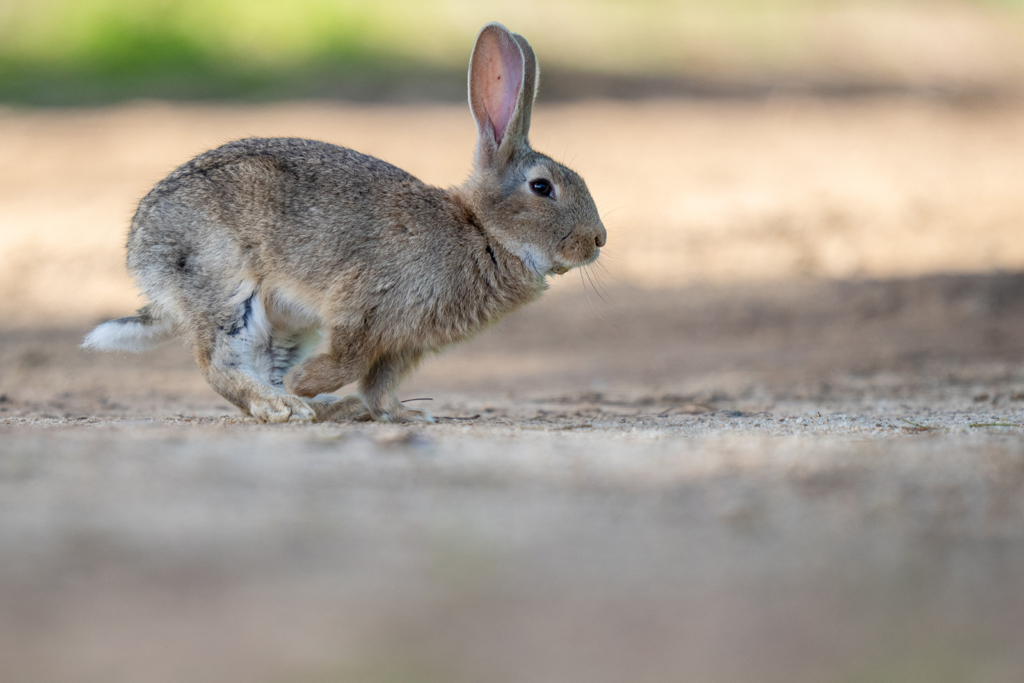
(236, 354)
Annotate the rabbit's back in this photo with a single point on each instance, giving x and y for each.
(294, 206)
(301, 195)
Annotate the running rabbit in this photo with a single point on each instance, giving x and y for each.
(252, 250)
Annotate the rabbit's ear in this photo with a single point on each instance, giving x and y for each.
(502, 85)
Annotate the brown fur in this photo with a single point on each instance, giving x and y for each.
(254, 249)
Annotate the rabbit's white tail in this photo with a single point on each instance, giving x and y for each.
(135, 333)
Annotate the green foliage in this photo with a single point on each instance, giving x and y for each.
(94, 50)
(69, 51)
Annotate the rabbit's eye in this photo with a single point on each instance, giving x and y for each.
(541, 187)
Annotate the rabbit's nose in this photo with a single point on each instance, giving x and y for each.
(600, 240)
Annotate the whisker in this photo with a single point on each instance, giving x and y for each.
(600, 271)
(601, 268)
(601, 283)
(608, 255)
(595, 278)
(596, 290)
(599, 317)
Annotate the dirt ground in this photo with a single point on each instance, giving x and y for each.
(783, 442)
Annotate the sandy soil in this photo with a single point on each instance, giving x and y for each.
(773, 451)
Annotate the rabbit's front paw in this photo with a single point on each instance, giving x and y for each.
(282, 408)
(340, 410)
(403, 415)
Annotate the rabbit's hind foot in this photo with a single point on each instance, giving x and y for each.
(282, 408)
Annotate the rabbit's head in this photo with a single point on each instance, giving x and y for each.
(535, 207)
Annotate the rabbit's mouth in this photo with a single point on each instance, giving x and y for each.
(544, 266)
(560, 267)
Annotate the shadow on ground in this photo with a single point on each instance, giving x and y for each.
(810, 341)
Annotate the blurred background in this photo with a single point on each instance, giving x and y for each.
(732, 141)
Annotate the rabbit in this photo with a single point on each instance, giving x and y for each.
(251, 251)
